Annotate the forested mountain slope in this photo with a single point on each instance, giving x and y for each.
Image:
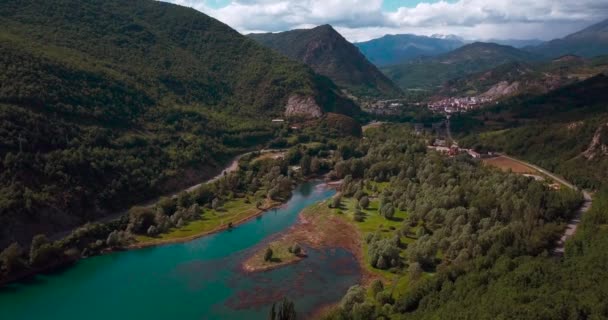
(564, 131)
(589, 42)
(106, 103)
(518, 78)
(430, 73)
(399, 48)
(328, 53)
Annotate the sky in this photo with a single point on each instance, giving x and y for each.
(361, 20)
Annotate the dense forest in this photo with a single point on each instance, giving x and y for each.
(462, 224)
(107, 103)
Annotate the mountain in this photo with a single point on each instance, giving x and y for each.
(518, 78)
(589, 42)
(107, 103)
(564, 131)
(329, 54)
(516, 43)
(430, 73)
(394, 49)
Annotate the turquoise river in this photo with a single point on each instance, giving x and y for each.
(201, 279)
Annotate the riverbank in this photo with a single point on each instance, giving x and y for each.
(318, 226)
(170, 277)
(204, 227)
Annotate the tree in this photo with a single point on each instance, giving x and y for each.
(152, 231)
(12, 258)
(167, 205)
(382, 264)
(215, 204)
(285, 310)
(336, 201)
(364, 202)
(42, 251)
(388, 211)
(296, 249)
(203, 194)
(414, 271)
(38, 241)
(184, 199)
(305, 164)
(268, 255)
(140, 219)
(354, 295)
(315, 165)
(359, 215)
(363, 311)
(376, 287)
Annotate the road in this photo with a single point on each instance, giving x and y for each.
(572, 225)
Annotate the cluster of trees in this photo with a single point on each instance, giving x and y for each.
(44, 254)
(462, 216)
(525, 287)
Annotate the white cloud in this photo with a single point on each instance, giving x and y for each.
(364, 19)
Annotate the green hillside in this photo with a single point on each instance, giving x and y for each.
(328, 53)
(107, 103)
(564, 131)
(525, 78)
(589, 42)
(394, 49)
(430, 73)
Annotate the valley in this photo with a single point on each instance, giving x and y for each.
(256, 160)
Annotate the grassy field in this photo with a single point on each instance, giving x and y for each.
(233, 211)
(506, 164)
(375, 222)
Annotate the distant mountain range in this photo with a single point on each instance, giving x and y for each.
(430, 73)
(394, 49)
(329, 54)
(589, 42)
(517, 43)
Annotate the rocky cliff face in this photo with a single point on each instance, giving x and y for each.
(302, 106)
(599, 144)
(502, 89)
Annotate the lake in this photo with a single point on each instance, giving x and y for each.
(201, 279)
